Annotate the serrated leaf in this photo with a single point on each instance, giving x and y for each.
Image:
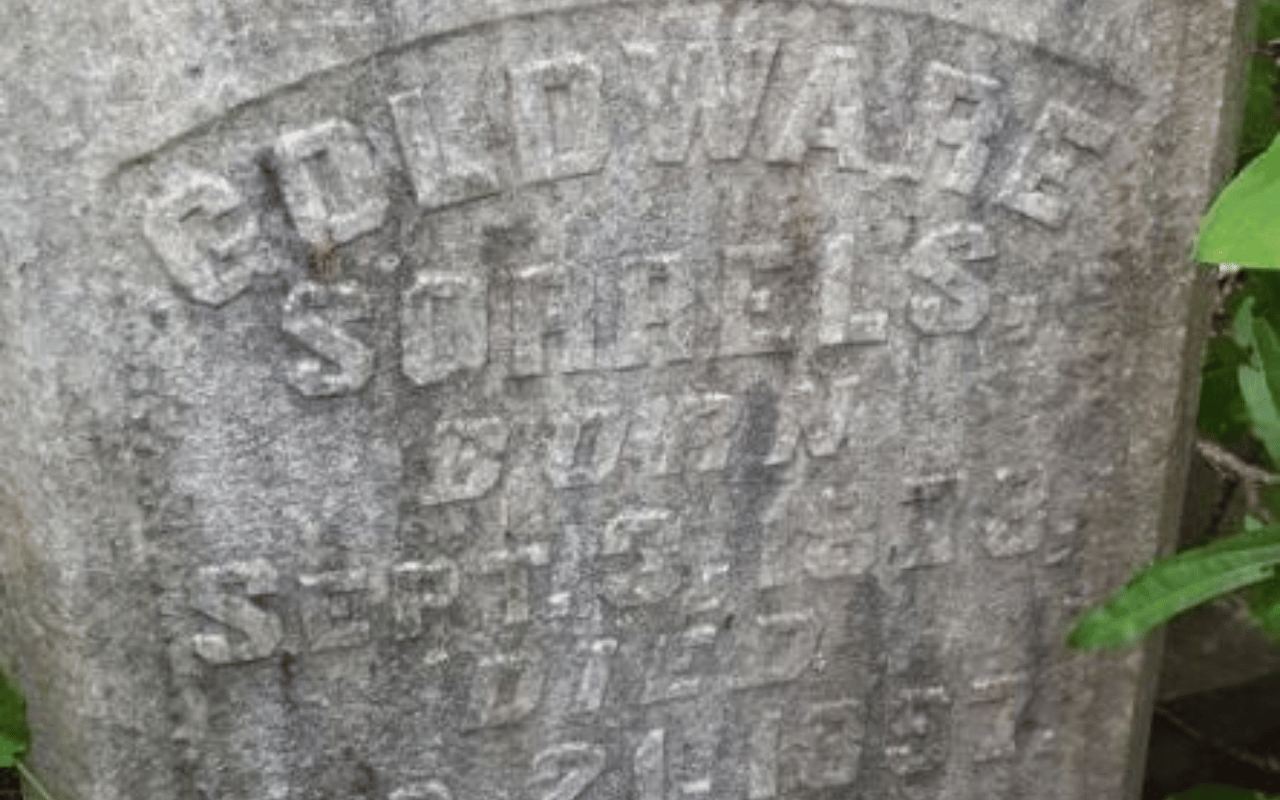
(1216, 791)
(1174, 584)
(1241, 226)
(14, 736)
(1264, 417)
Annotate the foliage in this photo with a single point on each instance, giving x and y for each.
(1240, 390)
(14, 734)
(1213, 791)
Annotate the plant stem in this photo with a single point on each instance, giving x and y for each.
(30, 777)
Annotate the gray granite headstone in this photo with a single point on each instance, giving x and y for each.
(544, 400)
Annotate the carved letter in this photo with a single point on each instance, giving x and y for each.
(506, 688)
(638, 546)
(967, 299)
(595, 676)
(707, 425)
(551, 321)
(831, 743)
(755, 315)
(934, 508)
(585, 447)
(513, 567)
(711, 87)
(206, 238)
(1013, 519)
(946, 88)
(557, 115)
(653, 323)
(227, 594)
(650, 766)
(762, 763)
(442, 174)
(822, 421)
(416, 586)
(465, 459)
(1040, 184)
(330, 183)
(570, 768)
(681, 664)
(335, 609)
(431, 790)
(444, 326)
(919, 721)
(314, 314)
(832, 90)
(997, 703)
(839, 297)
(779, 648)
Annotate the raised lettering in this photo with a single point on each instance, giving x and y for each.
(430, 790)
(778, 648)
(637, 552)
(335, 610)
(933, 507)
(442, 173)
(465, 459)
(762, 758)
(833, 533)
(822, 421)
(419, 589)
(315, 314)
(506, 688)
(513, 567)
(918, 723)
(1041, 183)
(585, 446)
(231, 595)
(754, 313)
(960, 111)
(566, 770)
(682, 664)
(707, 424)
(444, 326)
(830, 743)
(330, 183)
(652, 321)
(997, 702)
(558, 117)
(650, 766)
(1013, 518)
(551, 321)
(840, 298)
(832, 92)
(965, 300)
(713, 88)
(595, 676)
(206, 238)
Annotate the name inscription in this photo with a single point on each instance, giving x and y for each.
(707, 296)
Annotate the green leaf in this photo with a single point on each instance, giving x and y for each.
(1242, 226)
(1215, 791)
(14, 736)
(1222, 415)
(1264, 417)
(1264, 604)
(1173, 585)
(1242, 324)
(1260, 120)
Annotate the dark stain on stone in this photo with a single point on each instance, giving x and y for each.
(503, 243)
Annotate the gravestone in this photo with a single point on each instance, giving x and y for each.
(581, 400)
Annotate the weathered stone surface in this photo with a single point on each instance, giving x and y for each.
(522, 398)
